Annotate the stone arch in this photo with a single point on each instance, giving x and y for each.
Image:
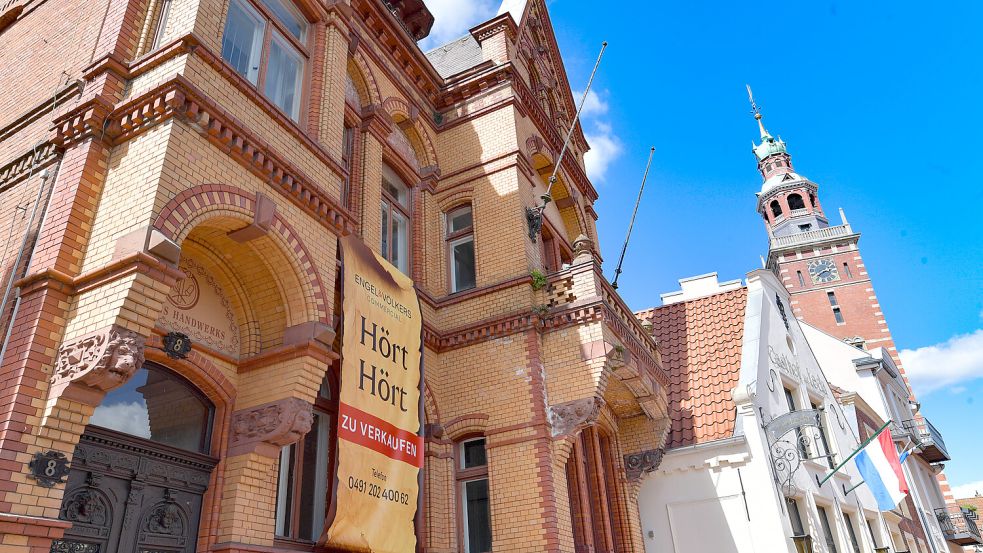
(455, 199)
(224, 206)
(364, 80)
(565, 198)
(407, 119)
(466, 425)
(197, 369)
(430, 409)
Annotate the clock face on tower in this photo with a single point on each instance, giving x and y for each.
(823, 270)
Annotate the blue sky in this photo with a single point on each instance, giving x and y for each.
(881, 104)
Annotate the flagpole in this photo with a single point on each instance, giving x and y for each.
(852, 455)
(624, 248)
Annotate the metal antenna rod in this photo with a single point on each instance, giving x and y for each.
(573, 124)
(617, 272)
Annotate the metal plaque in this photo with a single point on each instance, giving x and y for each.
(177, 345)
(49, 468)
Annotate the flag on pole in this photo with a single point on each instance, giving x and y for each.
(880, 468)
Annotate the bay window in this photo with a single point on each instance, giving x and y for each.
(460, 248)
(266, 43)
(395, 245)
(475, 505)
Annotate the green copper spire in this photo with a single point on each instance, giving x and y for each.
(769, 145)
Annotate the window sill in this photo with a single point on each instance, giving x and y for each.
(293, 544)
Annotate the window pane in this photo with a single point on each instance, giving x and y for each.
(827, 531)
(283, 76)
(795, 518)
(158, 406)
(852, 532)
(473, 454)
(393, 185)
(400, 242)
(478, 511)
(385, 231)
(459, 219)
(284, 490)
(287, 14)
(462, 264)
(243, 39)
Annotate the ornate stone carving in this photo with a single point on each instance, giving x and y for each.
(165, 518)
(268, 427)
(637, 464)
(69, 546)
(96, 363)
(566, 417)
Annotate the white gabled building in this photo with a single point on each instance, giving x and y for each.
(875, 391)
(739, 473)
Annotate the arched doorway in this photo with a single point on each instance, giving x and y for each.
(140, 469)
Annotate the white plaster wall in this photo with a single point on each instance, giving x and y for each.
(694, 502)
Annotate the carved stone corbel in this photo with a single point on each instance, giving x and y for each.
(643, 462)
(266, 428)
(565, 418)
(88, 367)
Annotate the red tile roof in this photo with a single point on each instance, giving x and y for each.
(701, 349)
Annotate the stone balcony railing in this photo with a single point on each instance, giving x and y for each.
(798, 212)
(809, 236)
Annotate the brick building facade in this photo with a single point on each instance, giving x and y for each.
(187, 165)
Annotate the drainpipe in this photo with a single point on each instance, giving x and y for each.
(10, 290)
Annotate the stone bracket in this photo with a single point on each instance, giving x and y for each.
(263, 215)
(266, 428)
(148, 240)
(88, 367)
(637, 464)
(566, 418)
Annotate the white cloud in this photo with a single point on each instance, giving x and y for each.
(594, 105)
(968, 490)
(129, 418)
(453, 18)
(957, 360)
(605, 147)
(514, 7)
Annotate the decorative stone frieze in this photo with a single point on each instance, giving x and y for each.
(90, 366)
(643, 462)
(267, 428)
(565, 418)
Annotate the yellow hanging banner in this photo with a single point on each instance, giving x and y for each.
(380, 443)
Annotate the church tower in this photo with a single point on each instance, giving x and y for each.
(819, 264)
(823, 271)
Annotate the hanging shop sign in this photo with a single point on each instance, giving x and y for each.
(380, 445)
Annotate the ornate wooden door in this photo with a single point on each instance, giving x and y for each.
(130, 495)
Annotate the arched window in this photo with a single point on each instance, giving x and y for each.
(395, 245)
(460, 248)
(776, 208)
(795, 202)
(266, 41)
(812, 200)
(475, 503)
(158, 405)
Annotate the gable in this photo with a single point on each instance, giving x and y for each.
(540, 54)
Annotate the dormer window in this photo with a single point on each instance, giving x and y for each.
(776, 208)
